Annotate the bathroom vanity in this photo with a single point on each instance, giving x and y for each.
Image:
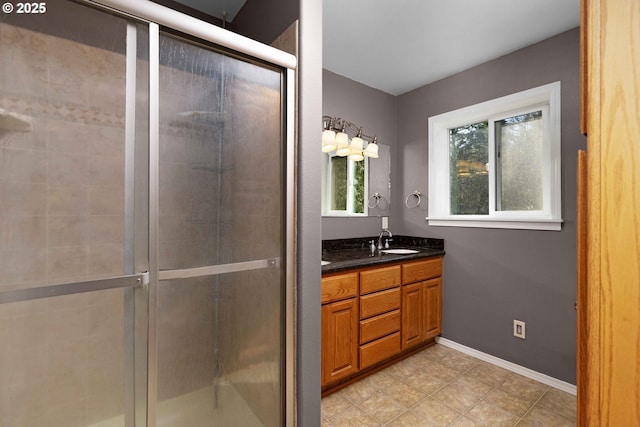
(377, 308)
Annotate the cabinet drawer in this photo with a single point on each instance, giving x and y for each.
(379, 350)
(379, 326)
(339, 287)
(379, 279)
(379, 302)
(421, 270)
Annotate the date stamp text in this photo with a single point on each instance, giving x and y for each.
(31, 8)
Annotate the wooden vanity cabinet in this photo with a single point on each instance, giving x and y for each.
(370, 316)
(339, 327)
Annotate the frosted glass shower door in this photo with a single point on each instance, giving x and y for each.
(73, 182)
(221, 239)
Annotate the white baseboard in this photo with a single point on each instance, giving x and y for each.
(525, 372)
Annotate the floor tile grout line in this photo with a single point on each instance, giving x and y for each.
(496, 386)
(532, 406)
(549, 389)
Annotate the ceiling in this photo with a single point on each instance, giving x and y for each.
(217, 8)
(399, 45)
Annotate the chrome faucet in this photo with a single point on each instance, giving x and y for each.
(384, 230)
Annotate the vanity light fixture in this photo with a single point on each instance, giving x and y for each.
(335, 136)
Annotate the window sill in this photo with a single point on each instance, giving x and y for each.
(518, 224)
(344, 215)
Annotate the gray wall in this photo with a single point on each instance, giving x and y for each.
(375, 111)
(309, 223)
(258, 19)
(494, 276)
(265, 20)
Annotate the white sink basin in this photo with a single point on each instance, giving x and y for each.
(400, 251)
(325, 262)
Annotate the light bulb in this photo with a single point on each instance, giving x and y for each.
(371, 150)
(343, 151)
(357, 143)
(328, 141)
(342, 141)
(356, 155)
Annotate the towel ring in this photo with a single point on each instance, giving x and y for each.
(376, 202)
(417, 195)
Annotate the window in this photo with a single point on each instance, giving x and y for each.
(344, 186)
(497, 164)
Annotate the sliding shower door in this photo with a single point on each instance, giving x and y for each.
(221, 239)
(145, 221)
(73, 180)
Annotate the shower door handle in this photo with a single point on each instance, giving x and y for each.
(212, 270)
(131, 280)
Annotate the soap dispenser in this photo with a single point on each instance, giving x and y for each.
(373, 248)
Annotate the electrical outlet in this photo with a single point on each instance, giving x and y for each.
(385, 222)
(519, 329)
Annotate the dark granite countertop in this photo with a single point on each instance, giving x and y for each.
(346, 254)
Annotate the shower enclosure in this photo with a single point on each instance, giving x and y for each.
(146, 208)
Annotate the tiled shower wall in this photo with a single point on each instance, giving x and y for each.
(61, 220)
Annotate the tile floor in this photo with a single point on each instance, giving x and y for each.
(443, 387)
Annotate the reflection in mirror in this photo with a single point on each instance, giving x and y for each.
(379, 194)
(355, 189)
(344, 185)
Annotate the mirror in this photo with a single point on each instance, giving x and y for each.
(379, 198)
(377, 195)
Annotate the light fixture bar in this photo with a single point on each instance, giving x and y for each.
(335, 136)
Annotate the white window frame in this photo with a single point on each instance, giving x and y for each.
(545, 98)
(327, 190)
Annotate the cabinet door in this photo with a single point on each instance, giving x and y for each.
(412, 314)
(432, 300)
(339, 340)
